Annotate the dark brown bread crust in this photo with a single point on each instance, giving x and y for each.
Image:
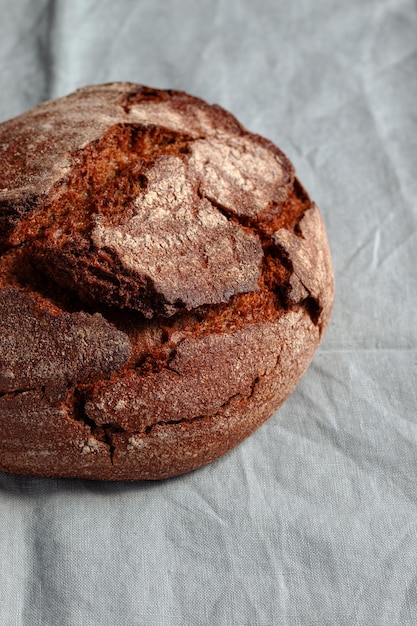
(164, 283)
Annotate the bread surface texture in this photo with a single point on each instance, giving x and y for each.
(165, 280)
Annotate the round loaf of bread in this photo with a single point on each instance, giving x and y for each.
(164, 283)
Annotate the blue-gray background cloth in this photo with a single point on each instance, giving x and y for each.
(313, 520)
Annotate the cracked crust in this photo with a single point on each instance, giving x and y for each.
(164, 283)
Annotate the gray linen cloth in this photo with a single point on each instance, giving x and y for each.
(313, 520)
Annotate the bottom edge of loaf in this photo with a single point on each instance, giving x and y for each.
(169, 449)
